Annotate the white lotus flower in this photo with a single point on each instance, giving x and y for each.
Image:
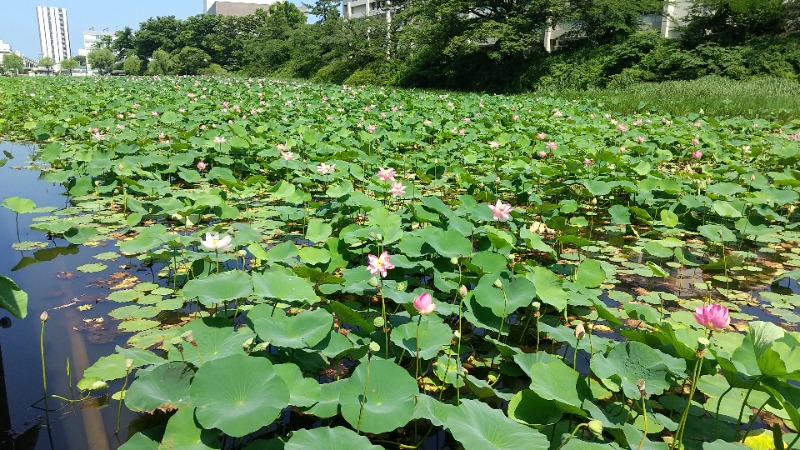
(215, 243)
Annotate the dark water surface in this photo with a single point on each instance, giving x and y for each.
(51, 284)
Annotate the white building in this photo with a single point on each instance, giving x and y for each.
(356, 9)
(54, 33)
(5, 49)
(235, 7)
(92, 37)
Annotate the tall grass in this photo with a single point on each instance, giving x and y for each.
(773, 98)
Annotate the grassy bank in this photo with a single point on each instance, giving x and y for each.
(773, 98)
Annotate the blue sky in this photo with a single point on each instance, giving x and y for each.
(18, 25)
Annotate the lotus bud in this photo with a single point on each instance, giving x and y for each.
(640, 384)
(580, 331)
(462, 291)
(498, 283)
(590, 327)
(128, 364)
(44, 316)
(596, 427)
(374, 347)
(178, 343)
(378, 322)
(373, 281)
(454, 260)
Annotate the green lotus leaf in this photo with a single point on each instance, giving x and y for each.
(164, 388)
(477, 426)
(669, 218)
(433, 410)
(553, 380)
(185, 433)
(548, 287)
(629, 362)
(12, 298)
(657, 250)
(328, 404)
(285, 286)
(449, 243)
(91, 268)
(433, 335)
(140, 441)
(378, 397)
(318, 230)
(590, 274)
(304, 330)
(325, 438)
(238, 394)
(79, 235)
(219, 288)
(620, 215)
(215, 338)
(717, 233)
(597, 188)
(314, 255)
(529, 408)
(147, 239)
(19, 205)
(303, 392)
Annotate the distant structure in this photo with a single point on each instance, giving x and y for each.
(356, 9)
(236, 7)
(53, 33)
(91, 37)
(5, 49)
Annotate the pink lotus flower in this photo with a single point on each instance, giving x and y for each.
(697, 154)
(500, 210)
(542, 154)
(494, 144)
(219, 139)
(379, 264)
(397, 189)
(695, 141)
(623, 150)
(325, 169)
(541, 136)
(201, 165)
(713, 317)
(551, 145)
(287, 156)
(386, 174)
(640, 139)
(423, 303)
(588, 162)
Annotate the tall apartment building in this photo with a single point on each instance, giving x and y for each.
(53, 33)
(356, 9)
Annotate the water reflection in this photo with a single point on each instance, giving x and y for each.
(35, 265)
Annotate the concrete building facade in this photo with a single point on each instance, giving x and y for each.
(356, 9)
(236, 7)
(91, 37)
(53, 33)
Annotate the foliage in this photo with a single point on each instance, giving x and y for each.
(69, 64)
(159, 64)
(13, 63)
(101, 59)
(132, 65)
(47, 62)
(553, 324)
(189, 61)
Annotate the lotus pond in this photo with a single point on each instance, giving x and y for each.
(284, 265)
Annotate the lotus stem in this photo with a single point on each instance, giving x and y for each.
(678, 439)
(128, 366)
(716, 418)
(364, 397)
(755, 416)
(572, 435)
(744, 403)
(43, 317)
(644, 413)
(416, 344)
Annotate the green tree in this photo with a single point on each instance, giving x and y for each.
(731, 22)
(189, 61)
(159, 33)
(69, 64)
(47, 62)
(132, 65)
(81, 60)
(326, 10)
(122, 44)
(159, 64)
(13, 63)
(101, 59)
(602, 21)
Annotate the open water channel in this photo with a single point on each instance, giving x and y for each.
(71, 335)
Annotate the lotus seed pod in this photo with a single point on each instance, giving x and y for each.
(454, 260)
(373, 281)
(402, 286)
(378, 322)
(596, 427)
(374, 347)
(498, 283)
